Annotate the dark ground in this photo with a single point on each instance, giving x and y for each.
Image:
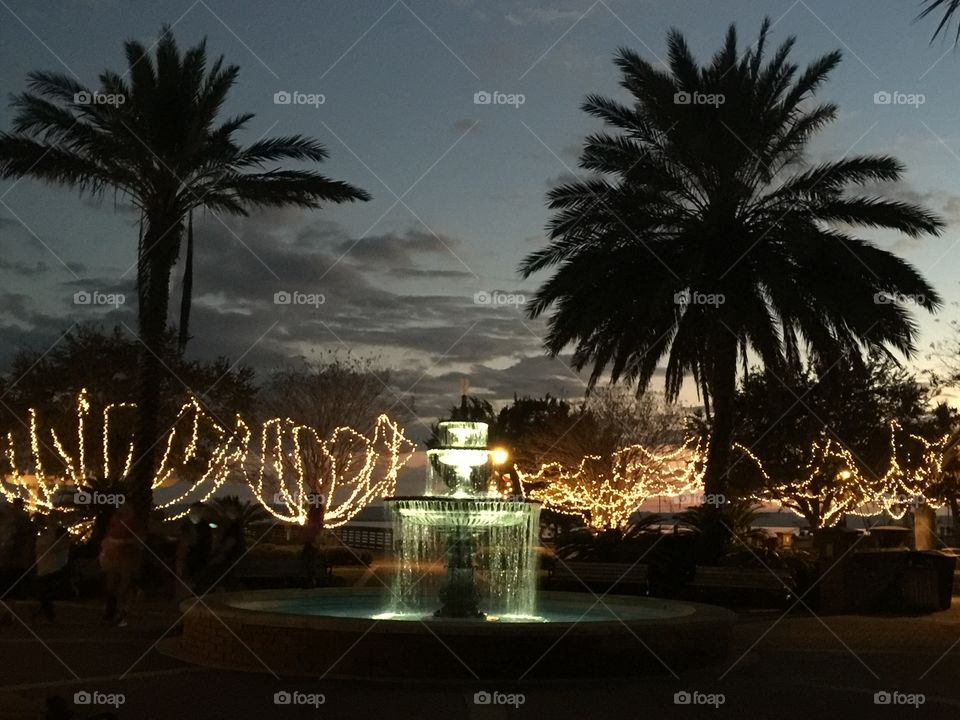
(795, 667)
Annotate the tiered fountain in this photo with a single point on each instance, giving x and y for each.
(461, 604)
(485, 543)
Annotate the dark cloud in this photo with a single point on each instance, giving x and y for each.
(23, 269)
(564, 178)
(392, 250)
(409, 272)
(400, 296)
(464, 125)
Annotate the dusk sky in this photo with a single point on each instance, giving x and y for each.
(458, 187)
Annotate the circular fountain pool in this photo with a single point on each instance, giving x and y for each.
(462, 603)
(345, 633)
(549, 610)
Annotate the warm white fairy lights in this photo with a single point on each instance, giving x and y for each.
(294, 469)
(606, 493)
(829, 486)
(832, 483)
(290, 471)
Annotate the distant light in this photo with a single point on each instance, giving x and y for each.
(498, 456)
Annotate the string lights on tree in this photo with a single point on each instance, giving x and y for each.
(833, 483)
(606, 492)
(282, 470)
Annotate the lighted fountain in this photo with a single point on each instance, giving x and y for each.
(485, 544)
(459, 601)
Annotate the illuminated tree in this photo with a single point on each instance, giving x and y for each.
(606, 491)
(337, 391)
(356, 466)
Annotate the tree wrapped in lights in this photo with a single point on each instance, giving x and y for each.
(833, 482)
(822, 491)
(916, 474)
(296, 469)
(95, 455)
(607, 491)
(281, 468)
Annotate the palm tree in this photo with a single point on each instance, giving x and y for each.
(154, 135)
(949, 9)
(246, 513)
(702, 237)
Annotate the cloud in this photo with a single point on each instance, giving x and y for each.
(408, 272)
(22, 268)
(391, 250)
(535, 14)
(464, 125)
(400, 296)
(564, 178)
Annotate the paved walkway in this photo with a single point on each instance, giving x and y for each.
(790, 667)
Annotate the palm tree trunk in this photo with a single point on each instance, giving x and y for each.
(723, 382)
(186, 300)
(154, 269)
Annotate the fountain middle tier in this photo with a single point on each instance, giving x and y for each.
(446, 511)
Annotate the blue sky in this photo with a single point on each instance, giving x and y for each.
(399, 276)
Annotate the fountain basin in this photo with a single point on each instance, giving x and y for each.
(334, 633)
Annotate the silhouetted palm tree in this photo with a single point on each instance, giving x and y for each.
(155, 136)
(949, 9)
(701, 236)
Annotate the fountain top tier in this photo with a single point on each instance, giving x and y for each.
(459, 465)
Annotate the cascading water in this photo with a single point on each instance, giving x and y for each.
(462, 550)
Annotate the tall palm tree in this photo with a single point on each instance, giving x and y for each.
(155, 136)
(949, 9)
(702, 236)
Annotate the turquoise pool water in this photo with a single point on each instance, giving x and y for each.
(589, 610)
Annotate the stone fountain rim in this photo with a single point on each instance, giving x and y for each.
(222, 608)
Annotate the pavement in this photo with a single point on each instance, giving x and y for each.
(782, 666)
